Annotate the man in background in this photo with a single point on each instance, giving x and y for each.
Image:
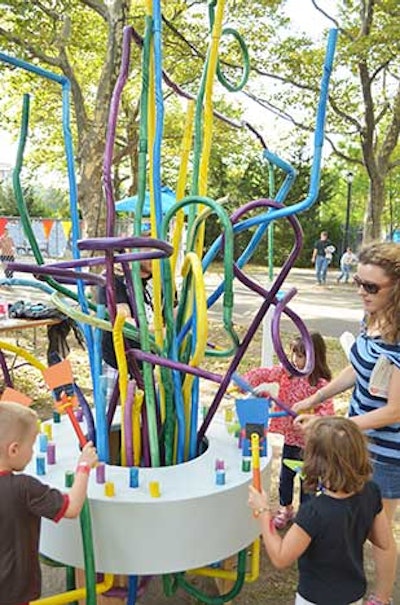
(322, 256)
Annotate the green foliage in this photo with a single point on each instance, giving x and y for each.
(40, 201)
(74, 37)
(254, 184)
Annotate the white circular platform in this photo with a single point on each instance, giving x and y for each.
(194, 523)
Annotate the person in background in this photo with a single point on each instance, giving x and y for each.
(7, 251)
(331, 527)
(322, 256)
(374, 376)
(124, 304)
(289, 388)
(25, 500)
(347, 262)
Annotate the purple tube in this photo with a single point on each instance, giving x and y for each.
(51, 452)
(243, 346)
(101, 472)
(128, 422)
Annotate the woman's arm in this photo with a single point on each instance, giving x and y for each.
(387, 414)
(343, 381)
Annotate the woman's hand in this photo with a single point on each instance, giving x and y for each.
(304, 405)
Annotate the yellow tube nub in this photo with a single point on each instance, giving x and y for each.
(154, 489)
(109, 489)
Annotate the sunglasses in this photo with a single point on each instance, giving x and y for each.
(368, 286)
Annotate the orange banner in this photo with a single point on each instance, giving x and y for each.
(47, 226)
(3, 224)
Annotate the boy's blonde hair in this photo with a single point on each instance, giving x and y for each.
(16, 422)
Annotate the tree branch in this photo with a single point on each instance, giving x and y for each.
(392, 133)
(32, 50)
(98, 6)
(344, 115)
(339, 152)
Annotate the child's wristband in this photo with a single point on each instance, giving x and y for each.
(83, 467)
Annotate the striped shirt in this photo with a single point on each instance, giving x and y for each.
(384, 442)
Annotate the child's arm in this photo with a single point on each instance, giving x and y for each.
(258, 376)
(77, 493)
(282, 551)
(345, 380)
(380, 531)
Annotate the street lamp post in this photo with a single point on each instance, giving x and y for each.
(349, 179)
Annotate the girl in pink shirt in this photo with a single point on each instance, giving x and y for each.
(291, 389)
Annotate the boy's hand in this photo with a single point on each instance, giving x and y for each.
(89, 454)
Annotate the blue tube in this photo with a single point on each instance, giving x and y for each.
(66, 87)
(132, 590)
(32, 68)
(102, 440)
(157, 44)
(16, 281)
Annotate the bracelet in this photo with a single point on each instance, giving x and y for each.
(260, 511)
(83, 467)
(321, 398)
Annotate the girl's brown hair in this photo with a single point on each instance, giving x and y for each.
(335, 456)
(386, 255)
(321, 368)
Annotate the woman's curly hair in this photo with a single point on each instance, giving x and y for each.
(386, 255)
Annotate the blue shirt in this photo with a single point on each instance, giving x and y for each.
(384, 442)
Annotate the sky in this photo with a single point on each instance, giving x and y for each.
(307, 19)
(303, 15)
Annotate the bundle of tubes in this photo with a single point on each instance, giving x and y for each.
(160, 403)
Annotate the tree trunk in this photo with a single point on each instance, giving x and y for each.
(90, 189)
(373, 212)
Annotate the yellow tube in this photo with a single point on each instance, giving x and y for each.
(20, 352)
(208, 115)
(224, 574)
(75, 595)
(122, 365)
(186, 146)
(193, 262)
(208, 106)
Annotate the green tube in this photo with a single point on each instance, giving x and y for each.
(22, 209)
(178, 581)
(70, 581)
(90, 568)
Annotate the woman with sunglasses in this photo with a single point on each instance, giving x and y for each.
(374, 376)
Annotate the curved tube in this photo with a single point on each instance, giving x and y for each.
(122, 365)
